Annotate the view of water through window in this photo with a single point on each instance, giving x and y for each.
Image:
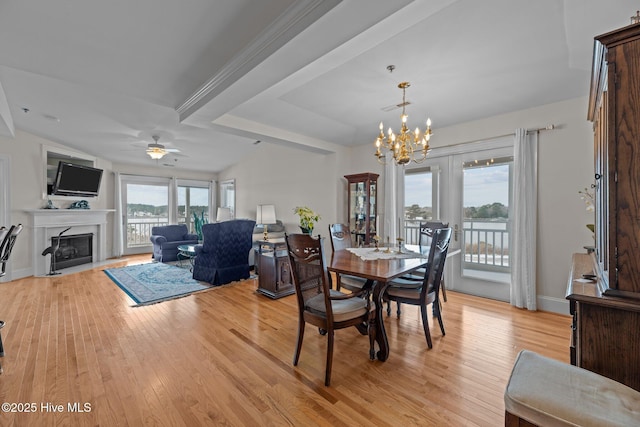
(485, 210)
(148, 206)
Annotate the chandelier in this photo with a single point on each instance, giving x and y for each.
(407, 146)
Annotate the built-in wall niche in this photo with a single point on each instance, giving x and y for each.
(51, 157)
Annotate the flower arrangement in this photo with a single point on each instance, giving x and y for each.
(589, 200)
(308, 218)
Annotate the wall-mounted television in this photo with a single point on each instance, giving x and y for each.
(77, 180)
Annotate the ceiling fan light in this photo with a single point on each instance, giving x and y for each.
(156, 153)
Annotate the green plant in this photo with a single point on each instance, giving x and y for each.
(198, 222)
(308, 218)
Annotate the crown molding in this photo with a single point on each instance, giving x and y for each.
(288, 25)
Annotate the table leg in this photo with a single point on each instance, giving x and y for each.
(380, 334)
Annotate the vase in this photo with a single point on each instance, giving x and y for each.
(306, 230)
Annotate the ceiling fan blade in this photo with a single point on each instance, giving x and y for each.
(177, 154)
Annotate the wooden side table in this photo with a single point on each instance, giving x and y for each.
(274, 272)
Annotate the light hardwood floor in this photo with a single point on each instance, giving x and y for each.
(223, 357)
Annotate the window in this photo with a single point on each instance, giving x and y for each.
(147, 206)
(418, 201)
(193, 199)
(156, 201)
(228, 195)
(486, 192)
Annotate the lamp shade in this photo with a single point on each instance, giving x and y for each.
(223, 214)
(265, 214)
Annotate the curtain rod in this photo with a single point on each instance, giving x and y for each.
(548, 127)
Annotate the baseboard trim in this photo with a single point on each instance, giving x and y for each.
(552, 304)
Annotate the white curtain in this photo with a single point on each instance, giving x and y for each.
(173, 202)
(213, 200)
(523, 230)
(391, 205)
(118, 246)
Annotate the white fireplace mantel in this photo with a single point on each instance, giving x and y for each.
(47, 223)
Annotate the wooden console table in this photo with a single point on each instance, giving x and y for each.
(274, 273)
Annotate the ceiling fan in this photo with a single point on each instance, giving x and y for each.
(157, 151)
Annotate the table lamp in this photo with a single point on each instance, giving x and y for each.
(223, 214)
(265, 215)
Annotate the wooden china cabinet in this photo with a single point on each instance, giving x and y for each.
(362, 194)
(606, 310)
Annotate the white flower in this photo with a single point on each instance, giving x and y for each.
(589, 199)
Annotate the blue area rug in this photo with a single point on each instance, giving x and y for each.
(155, 282)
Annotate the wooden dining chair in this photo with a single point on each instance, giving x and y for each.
(424, 241)
(426, 236)
(425, 292)
(341, 239)
(320, 305)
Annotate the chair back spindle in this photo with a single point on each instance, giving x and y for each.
(340, 236)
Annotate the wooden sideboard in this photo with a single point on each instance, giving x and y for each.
(606, 329)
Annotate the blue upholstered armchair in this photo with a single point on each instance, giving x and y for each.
(224, 254)
(166, 240)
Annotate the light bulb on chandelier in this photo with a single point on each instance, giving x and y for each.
(407, 146)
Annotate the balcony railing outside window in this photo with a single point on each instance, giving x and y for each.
(139, 229)
(486, 243)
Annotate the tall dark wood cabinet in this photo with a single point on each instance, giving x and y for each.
(606, 312)
(614, 109)
(363, 206)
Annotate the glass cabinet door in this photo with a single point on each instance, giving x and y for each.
(362, 209)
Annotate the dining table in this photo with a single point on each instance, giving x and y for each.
(378, 268)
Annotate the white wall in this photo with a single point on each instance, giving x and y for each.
(27, 180)
(565, 166)
(289, 177)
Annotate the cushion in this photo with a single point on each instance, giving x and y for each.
(352, 282)
(407, 293)
(547, 392)
(171, 232)
(342, 309)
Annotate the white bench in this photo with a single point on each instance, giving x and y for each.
(546, 392)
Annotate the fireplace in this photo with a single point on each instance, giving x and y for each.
(48, 223)
(76, 249)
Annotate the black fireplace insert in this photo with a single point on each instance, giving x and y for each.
(76, 249)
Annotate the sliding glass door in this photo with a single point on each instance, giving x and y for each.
(146, 201)
(155, 201)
